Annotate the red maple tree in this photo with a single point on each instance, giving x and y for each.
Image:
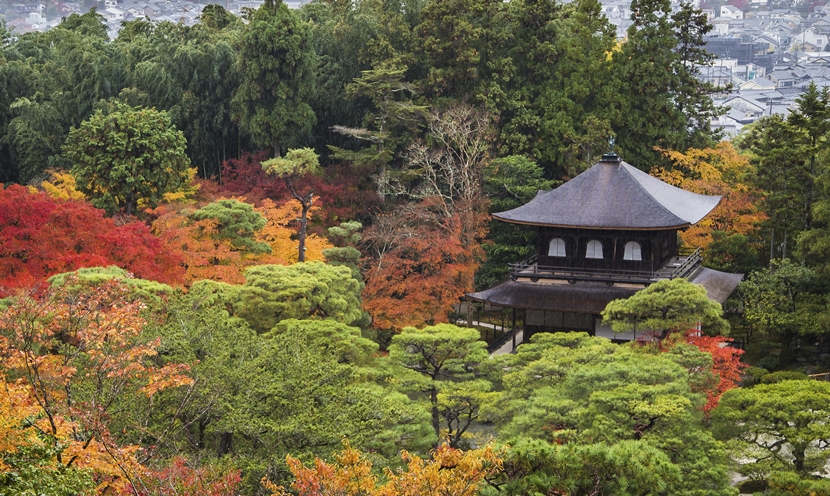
(726, 365)
(725, 372)
(41, 236)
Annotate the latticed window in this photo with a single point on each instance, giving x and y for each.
(557, 248)
(594, 249)
(632, 251)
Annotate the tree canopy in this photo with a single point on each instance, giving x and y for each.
(127, 157)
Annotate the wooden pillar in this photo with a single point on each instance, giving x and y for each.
(469, 312)
(514, 329)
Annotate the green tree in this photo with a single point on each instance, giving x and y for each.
(661, 103)
(349, 39)
(785, 300)
(295, 169)
(777, 150)
(15, 82)
(694, 95)
(389, 126)
(782, 426)
(587, 399)
(812, 114)
(237, 222)
(278, 79)
(509, 182)
(314, 290)
(627, 468)
(51, 81)
(667, 305)
(559, 113)
(192, 73)
(444, 354)
(127, 156)
(464, 51)
(297, 389)
(34, 136)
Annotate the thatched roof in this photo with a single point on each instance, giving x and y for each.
(613, 195)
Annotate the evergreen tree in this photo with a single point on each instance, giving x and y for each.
(276, 60)
(561, 91)
(660, 101)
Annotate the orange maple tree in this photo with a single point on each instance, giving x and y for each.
(205, 254)
(419, 263)
(449, 472)
(71, 359)
(41, 236)
(723, 171)
(279, 233)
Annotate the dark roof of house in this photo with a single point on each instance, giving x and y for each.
(718, 285)
(613, 195)
(582, 297)
(591, 297)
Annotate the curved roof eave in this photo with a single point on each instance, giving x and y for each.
(598, 228)
(613, 195)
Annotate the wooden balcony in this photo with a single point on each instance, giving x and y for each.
(679, 266)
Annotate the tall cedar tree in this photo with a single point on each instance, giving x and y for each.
(276, 59)
(660, 101)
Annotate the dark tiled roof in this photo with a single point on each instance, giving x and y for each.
(582, 297)
(718, 285)
(591, 297)
(613, 195)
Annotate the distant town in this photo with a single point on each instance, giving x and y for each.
(767, 53)
(26, 17)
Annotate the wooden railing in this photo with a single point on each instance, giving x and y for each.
(692, 262)
(529, 268)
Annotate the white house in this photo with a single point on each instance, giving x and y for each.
(812, 37)
(36, 20)
(113, 15)
(731, 12)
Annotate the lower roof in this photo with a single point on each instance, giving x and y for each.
(591, 297)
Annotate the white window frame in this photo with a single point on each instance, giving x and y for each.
(556, 248)
(591, 249)
(633, 251)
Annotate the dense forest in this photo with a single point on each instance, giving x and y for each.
(231, 256)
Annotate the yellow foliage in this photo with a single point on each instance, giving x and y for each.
(61, 186)
(278, 233)
(616, 48)
(16, 405)
(722, 171)
(450, 472)
(187, 192)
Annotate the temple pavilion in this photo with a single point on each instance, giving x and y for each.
(605, 234)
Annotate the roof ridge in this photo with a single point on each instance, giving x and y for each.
(658, 183)
(646, 190)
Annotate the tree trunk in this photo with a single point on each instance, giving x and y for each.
(303, 225)
(225, 443)
(786, 356)
(433, 397)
